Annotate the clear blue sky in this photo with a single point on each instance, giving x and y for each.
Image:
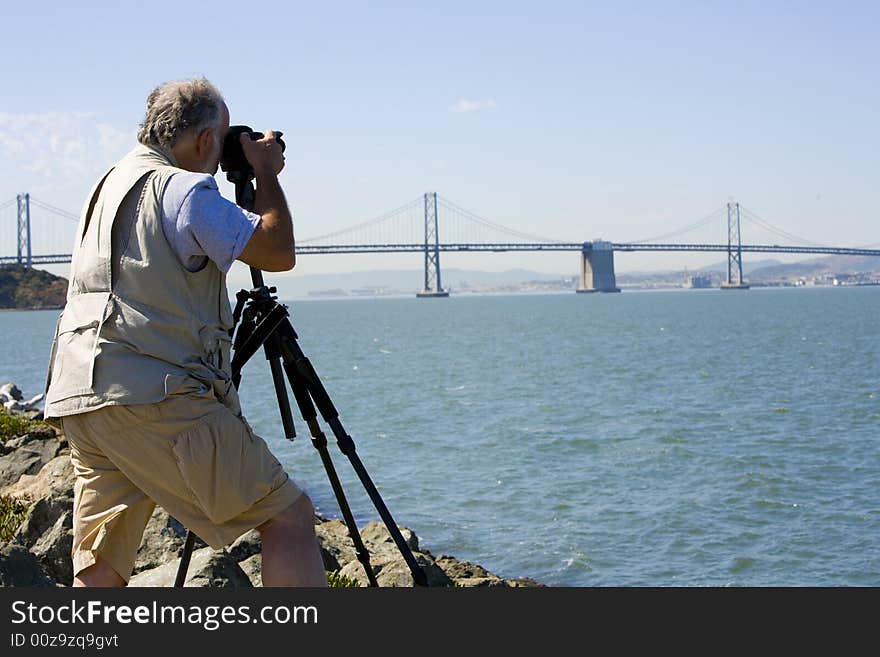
(621, 120)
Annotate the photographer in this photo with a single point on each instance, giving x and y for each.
(139, 375)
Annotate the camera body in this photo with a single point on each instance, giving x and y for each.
(232, 159)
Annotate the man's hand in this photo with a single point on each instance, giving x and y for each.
(265, 155)
(271, 245)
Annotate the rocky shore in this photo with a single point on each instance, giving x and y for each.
(36, 492)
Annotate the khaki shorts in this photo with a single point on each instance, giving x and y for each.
(189, 454)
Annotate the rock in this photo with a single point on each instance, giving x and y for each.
(39, 432)
(391, 570)
(53, 549)
(13, 400)
(523, 582)
(253, 568)
(19, 462)
(41, 517)
(47, 528)
(467, 574)
(28, 453)
(47, 532)
(245, 546)
(163, 541)
(377, 537)
(9, 391)
(13, 405)
(55, 479)
(18, 567)
(335, 543)
(214, 568)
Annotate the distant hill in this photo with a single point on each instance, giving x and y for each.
(26, 288)
(717, 270)
(816, 266)
(294, 285)
(748, 265)
(770, 268)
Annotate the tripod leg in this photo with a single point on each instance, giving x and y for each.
(273, 352)
(306, 374)
(319, 441)
(184, 559)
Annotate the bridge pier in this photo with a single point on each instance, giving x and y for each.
(734, 251)
(24, 229)
(597, 268)
(432, 288)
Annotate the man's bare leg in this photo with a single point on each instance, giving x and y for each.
(99, 574)
(291, 556)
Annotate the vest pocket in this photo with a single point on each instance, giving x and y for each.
(76, 344)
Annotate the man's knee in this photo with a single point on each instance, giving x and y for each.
(298, 517)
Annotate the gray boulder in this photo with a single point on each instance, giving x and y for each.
(28, 453)
(47, 532)
(55, 479)
(245, 546)
(467, 574)
(391, 570)
(377, 537)
(18, 567)
(253, 568)
(335, 543)
(163, 541)
(13, 400)
(213, 568)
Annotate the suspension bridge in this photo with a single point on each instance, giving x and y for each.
(43, 234)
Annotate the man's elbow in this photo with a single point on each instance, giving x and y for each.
(282, 261)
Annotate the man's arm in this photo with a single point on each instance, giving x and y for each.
(271, 246)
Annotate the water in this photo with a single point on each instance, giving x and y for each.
(682, 438)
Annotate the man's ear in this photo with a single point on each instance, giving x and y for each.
(205, 141)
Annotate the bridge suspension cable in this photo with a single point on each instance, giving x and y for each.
(777, 231)
(709, 218)
(467, 214)
(3, 206)
(407, 207)
(53, 209)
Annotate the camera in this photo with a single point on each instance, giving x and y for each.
(232, 159)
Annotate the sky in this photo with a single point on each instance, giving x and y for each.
(575, 121)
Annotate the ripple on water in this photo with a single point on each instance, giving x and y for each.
(741, 563)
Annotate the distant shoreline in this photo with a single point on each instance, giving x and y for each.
(31, 308)
(461, 294)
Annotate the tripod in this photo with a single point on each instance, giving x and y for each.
(264, 322)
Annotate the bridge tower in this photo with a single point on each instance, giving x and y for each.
(432, 288)
(597, 268)
(24, 229)
(734, 251)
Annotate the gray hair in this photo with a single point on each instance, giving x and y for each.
(175, 108)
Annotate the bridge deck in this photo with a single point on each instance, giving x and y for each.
(500, 248)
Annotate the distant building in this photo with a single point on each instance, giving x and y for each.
(701, 281)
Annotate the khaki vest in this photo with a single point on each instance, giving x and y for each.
(136, 325)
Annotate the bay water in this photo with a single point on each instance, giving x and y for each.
(663, 438)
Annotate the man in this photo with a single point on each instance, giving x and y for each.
(139, 375)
